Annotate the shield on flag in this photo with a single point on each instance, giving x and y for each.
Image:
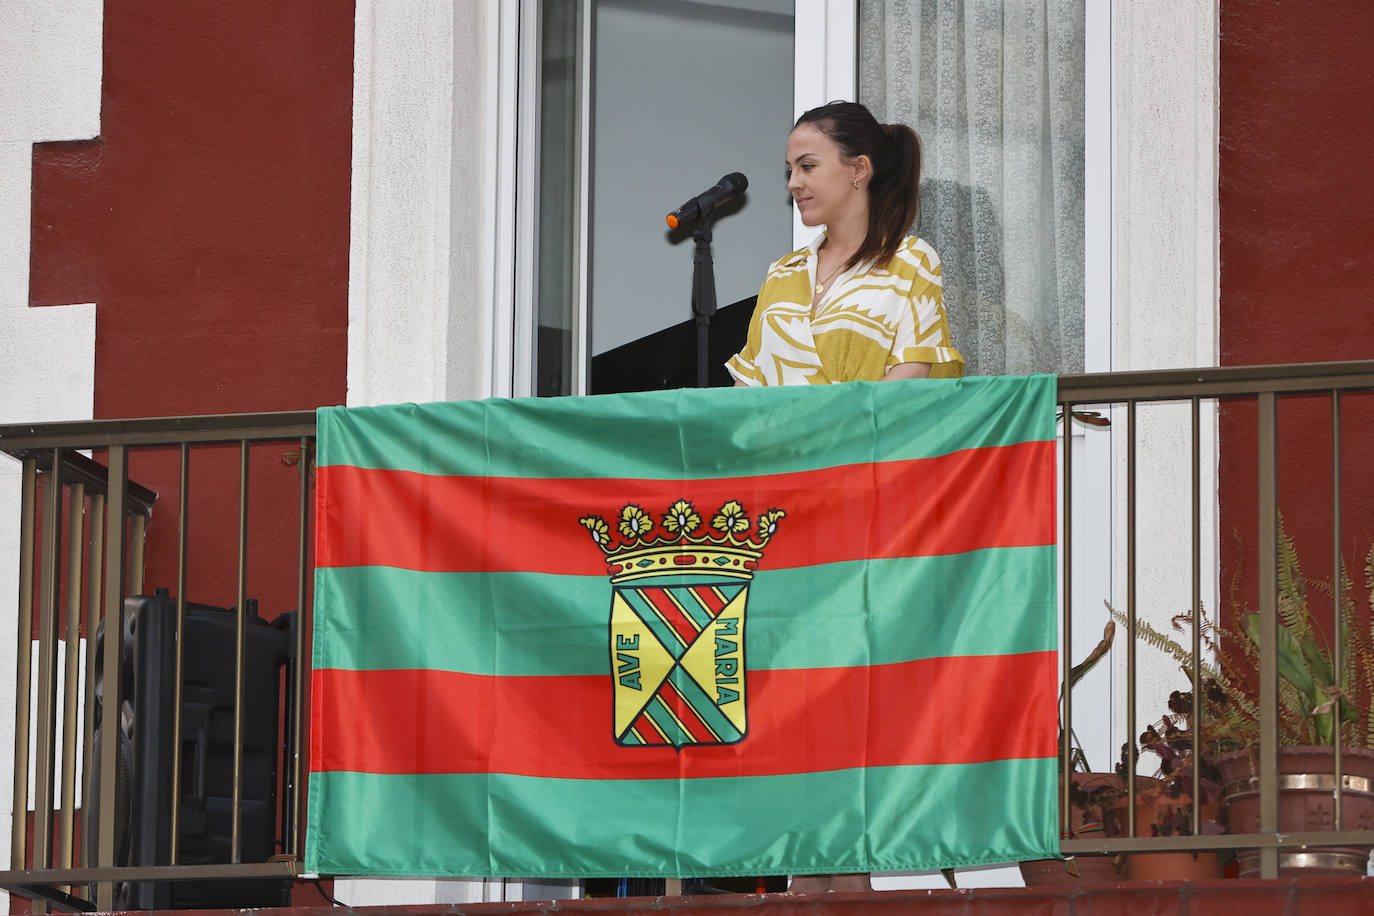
(677, 622)
(678, 661)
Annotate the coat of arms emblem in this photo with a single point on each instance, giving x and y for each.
(677, 622)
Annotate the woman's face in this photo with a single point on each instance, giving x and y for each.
(819, 180)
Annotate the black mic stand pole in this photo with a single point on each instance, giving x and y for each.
(703, 295)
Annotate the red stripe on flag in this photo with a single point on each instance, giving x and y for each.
(691, 722)
(648, 732)
(709, 598)
(999, 496)
(965, 709)
(672, 615)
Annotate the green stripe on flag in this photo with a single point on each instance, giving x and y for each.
(918, 817)
(704, 705)
(668, 637)
(988, 602)
(693, 433)
(692, 606)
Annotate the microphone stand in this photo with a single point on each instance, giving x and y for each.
(703, 294)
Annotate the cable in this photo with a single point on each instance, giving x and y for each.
(325, 894)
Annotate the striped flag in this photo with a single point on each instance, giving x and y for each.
(687, 633)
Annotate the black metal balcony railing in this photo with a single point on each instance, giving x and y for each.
(112, 547)
(105, 546)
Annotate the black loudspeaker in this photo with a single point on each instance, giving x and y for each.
(143, 802)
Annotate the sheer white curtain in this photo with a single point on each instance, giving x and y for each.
(994, 88)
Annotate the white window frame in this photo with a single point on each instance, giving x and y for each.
(825, 67)
(516, 71)
(505, 75)
(1093, 522)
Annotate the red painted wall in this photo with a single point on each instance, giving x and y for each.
(1297, 272)
(209, 222)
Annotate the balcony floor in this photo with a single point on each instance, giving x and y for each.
(1282, 897)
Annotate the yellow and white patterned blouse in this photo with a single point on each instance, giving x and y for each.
(867, 322)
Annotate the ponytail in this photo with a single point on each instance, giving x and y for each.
(893, 189)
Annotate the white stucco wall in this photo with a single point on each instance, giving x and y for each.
(50, 59)
(1165, 311)
(419, 210)
(49, 90)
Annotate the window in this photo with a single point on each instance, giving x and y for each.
(643, 104)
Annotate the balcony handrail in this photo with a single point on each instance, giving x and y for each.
(1086, 388)
(1219, 381)
(201, 429)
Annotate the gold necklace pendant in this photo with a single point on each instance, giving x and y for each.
(820, 287)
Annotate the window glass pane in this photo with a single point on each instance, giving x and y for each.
(684, 93)
(558, 177)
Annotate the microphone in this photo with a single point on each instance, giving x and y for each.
(731, 185)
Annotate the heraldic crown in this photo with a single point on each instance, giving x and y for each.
(729, 545)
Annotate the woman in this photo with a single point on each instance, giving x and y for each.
(863, 301)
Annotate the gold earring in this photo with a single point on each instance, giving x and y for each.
(856, 184)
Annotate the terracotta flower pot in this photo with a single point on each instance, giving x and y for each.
(1079, 869)
(1173, 866)
(1166, 866)
(1306, 781)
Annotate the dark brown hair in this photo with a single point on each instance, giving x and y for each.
(893, 190)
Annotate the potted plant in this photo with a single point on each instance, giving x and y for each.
(1311, 704)
(1091, 797)
(1165, 805)
(1314, 713)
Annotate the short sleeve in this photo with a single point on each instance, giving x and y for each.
(743, 364)
(922, 326)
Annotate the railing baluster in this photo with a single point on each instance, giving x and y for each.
(183, 533)
(48, 612)
(301, 666)
(1066, 751)
(23, 664)
(1269, 629)
(1337, 594)
(1130, 617)
(1197, 615)
(241, 615)
(118, 495)
(70, 679)
(95, 553)
(138, 531)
